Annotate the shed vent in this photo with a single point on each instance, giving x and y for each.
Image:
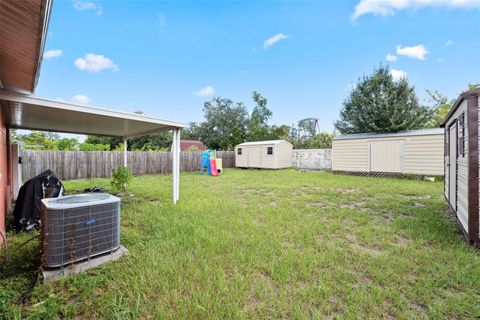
(79, 227)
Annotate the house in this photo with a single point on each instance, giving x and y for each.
(461, 163)
(23, 30)
(417, 152)
(271, 154)
(188, 145)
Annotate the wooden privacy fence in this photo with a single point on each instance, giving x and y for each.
(99, 164)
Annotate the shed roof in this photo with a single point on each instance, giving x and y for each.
(30, 112)
(254, 143)
(421, 132)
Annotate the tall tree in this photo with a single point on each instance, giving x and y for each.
(258, 128)
(37, 140)
(154, 142)
(440, 108)
(113, 142)
(225, 124)
(378, 103)
(67, 144)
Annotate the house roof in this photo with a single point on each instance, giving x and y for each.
(463, 96)
(185, 144)
(30, 112)
(421, 132)
(253, 143)
(23, 30)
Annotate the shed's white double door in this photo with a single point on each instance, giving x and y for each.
(386, 156)
(254, 156)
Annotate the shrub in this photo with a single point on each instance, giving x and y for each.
(121, 178)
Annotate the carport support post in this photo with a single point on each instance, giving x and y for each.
(176, 164)
(125, 151)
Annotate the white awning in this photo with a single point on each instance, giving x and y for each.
(30, 112)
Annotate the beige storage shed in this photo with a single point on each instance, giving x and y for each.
(418, 152)
(461, 127)
(272, 154)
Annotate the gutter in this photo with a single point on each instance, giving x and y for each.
(47, 8)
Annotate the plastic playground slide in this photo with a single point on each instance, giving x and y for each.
(213, 167)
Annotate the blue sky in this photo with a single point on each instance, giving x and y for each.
(167, 57)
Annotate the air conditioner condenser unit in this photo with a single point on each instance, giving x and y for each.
(79, 227)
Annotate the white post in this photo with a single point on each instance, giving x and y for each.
(178, 165)
(174, 166)
(125, 151)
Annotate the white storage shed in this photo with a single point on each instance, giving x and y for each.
(462, 137)
(272, 154)
(418, 152)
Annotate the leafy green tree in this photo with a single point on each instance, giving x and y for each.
(440, 108)
(258, 128)
(225, 124)
(93, 147)
(67, 144)
(154, 142)
(380, 104)
(473, 86)
(322, 140)
(111, 141)
(37, 140)
(191, 132)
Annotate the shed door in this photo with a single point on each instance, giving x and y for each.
(254, 153)
(386, 156)
(452, 169)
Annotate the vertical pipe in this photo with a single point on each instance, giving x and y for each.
(125, 151)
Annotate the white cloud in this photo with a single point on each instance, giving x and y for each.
(94, 63)
(398, 74)
(417, 52)
(276, 38)
(205, 91)
(390, 7)
(81, 5)
(391, 57)
(80, 98)
(50, 54)
(448, 43)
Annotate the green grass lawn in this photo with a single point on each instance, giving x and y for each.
(266, 244)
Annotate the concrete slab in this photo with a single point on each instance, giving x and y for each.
(51, 275)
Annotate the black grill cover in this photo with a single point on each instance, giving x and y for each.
(27, 207)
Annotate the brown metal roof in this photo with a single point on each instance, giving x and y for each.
(23, 29)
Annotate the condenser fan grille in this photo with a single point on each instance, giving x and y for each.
(74, 234)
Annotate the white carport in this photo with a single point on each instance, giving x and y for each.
(33, 113)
